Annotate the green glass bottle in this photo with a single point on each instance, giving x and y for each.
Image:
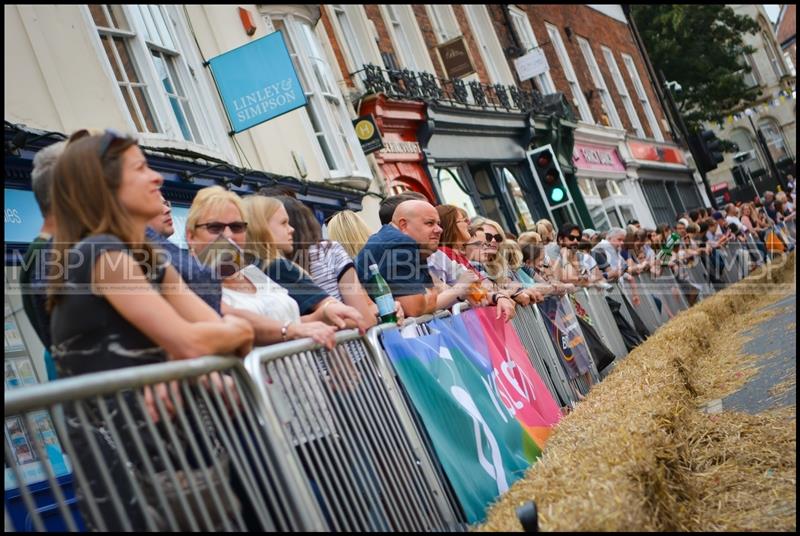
(382, 296)
(666, 250)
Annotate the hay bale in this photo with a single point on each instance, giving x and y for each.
(626, 458)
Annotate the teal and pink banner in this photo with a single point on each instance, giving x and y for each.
(486, 411)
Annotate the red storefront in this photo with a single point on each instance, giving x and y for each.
(401, 159)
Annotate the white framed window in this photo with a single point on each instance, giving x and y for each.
(751, 79)
(444, 22)
(577, 94)
(406, 38)
(774, 138)
(643, 100)
(150, 66)
(492, 53)
(622, 90)
(774, 58)
(789, 63)
(600, 84)
(326, 108)
(522, 25)
(355, 36)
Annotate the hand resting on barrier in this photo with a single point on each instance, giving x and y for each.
(159, 390)
(320, 332)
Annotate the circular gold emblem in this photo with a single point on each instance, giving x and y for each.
(364, 130)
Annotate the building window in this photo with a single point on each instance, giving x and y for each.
(492, 53)
(789, 63)
(772, 134)
(750, 79)
(609, 108)
(326, 108)
(774, 58)
(345, 16)
(578, 99)
(145, 55)
(401, 24)
(643, 100)
(622, 90)
(444, 22)
(528, 41)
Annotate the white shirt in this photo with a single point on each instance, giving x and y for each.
(270, 299)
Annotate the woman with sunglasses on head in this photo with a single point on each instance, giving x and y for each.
(496, 266)
(450, 266)
(116, 303)
(269, 237)
(217, 213)
(327, 262)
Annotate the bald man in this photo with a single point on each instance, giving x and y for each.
(401, 250)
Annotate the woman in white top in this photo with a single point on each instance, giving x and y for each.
(248, 292)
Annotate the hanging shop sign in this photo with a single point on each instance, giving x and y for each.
(455, 58)
(368, 134)
(257, 82)
(531, 64)
(656, 153)
(597, 158)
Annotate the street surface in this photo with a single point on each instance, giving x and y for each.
(776, 340)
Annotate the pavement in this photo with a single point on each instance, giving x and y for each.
(775, 340)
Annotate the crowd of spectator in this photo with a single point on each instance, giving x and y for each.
(107, 289)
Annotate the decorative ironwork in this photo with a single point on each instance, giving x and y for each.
(477, 93)
(407, 84)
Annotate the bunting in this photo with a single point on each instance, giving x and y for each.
(777, 99)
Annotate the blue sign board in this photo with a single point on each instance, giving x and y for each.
(257, 82)
(22, 216)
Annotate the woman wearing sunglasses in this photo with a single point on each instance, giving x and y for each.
(248, 292)
(496, 266)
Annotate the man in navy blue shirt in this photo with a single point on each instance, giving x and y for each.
(199, 278)
(401, 249)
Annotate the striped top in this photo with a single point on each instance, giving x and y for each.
(328, 262)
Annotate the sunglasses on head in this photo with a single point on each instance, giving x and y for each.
(496, 237)
(109, 137)
(217, 227)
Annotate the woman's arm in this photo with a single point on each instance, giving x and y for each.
(354, 295)
(183, 300)
(121, 281)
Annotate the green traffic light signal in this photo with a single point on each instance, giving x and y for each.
(557, 195)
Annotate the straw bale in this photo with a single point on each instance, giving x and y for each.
(636, 454)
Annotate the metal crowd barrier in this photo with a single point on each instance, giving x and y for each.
(220, 463)
(593, 300)
(731, 266)
(529, 326)
(646, 309)
(666, 287)
(699, 276)
(357, 441)
(615, 294)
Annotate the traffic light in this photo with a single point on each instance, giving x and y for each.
(707, 149)
(548, 173)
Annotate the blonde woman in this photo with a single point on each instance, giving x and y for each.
(347, 228)
(496, 266)
(249, 293)
(269, 237)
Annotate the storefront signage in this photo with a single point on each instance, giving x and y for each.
(597, 158)
(721, 193)
(656, 153)
(21, 215)
(257, 82)
(531, 64)
(456, 60)
(401, 147)
(368, 133)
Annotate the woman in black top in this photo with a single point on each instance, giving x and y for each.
(114, 305)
